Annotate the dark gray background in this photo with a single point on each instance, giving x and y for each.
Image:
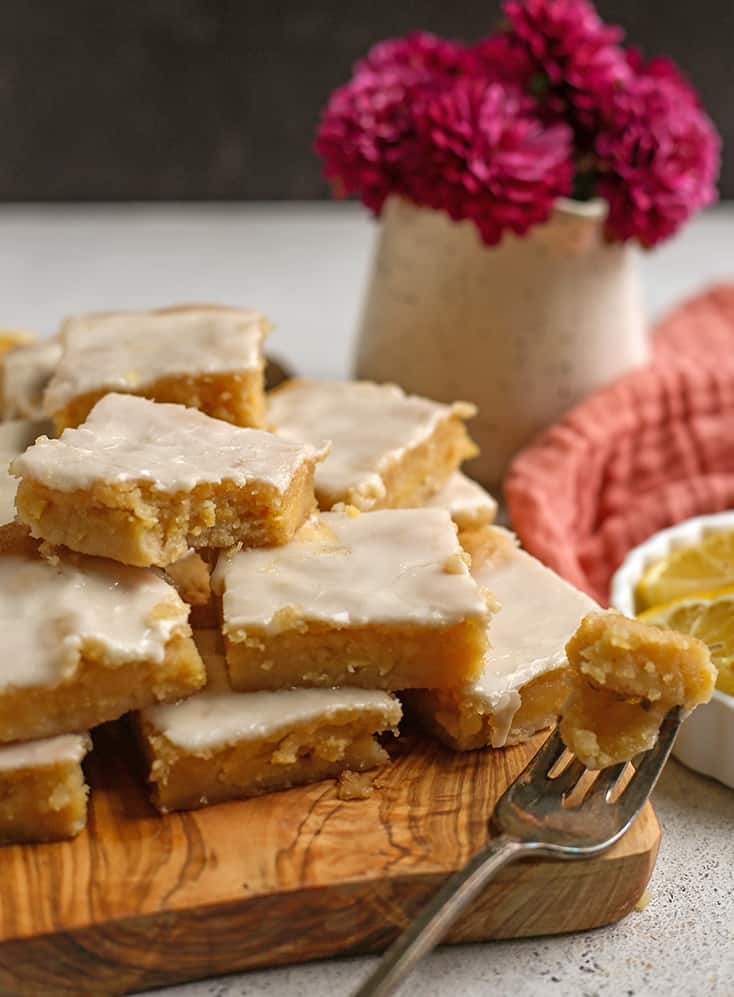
(218, 99)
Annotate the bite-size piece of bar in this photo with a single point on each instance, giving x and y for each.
(378, 600)
(624, 677)
(223, 745)
(142, 483)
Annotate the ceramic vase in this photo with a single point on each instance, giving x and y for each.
(524, 329)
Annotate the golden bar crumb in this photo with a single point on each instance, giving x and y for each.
(355, 785)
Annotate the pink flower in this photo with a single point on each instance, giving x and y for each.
(658, 156)
(575, 56)
(367, 132)
(485, 155)
(493, 132)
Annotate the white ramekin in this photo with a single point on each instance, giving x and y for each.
(706, 739)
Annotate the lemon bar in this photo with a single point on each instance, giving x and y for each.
(43, 795)
(378, 600)
(192, 579)
(624, 677)
(223, 745)
(208, 358)
(11, 338)
(143, 482)
(389, 449)
(15, 436)
(472, 509)
(522, 685)
(85, 640)
(24, 374)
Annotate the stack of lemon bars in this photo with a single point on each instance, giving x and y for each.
(263, 582)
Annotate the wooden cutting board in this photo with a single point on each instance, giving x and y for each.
(138, 901)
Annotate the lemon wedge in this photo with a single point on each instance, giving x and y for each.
(708, 616)
(702, 567)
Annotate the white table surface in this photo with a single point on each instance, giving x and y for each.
(305, 265)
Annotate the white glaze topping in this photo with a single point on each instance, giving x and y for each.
(369, 425)
(219, 716)
(25, 374)
(128, 438)
(126, 351)
(14, 438)
(50, 611)
(64, 749)
(467, 502)
(538, 613)
(396, 566)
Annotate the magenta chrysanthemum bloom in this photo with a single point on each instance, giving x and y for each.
(367, 132)
(576, 56)
(486, 156)
(658, 156)
(496, 131)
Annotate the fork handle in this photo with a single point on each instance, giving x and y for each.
(439, 914)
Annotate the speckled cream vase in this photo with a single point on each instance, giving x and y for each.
(524, 329)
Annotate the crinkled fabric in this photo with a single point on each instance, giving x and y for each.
(652, 449)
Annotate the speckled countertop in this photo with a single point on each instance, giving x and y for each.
(306, 265)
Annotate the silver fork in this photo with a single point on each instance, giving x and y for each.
(551, 809)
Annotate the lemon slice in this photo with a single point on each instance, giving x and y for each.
(701, 567)
(708, 616)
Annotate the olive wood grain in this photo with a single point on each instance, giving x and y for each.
(138, 900)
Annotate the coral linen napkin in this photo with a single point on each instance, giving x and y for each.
(650, 450)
